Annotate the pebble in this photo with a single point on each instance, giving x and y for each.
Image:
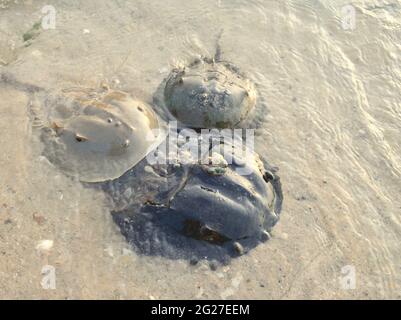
(149, 169)
(239, 249)
(40, 220)
(265, 236)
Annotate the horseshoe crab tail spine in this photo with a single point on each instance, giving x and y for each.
(217, 55)
(276, 183)
(8, 79)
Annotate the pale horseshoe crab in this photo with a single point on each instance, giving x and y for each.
(92, 134)
(207, 92)
(202, 210)
(105, 136)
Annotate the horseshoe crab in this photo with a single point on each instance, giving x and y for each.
(202, 210)
(93, 134)
(209, 93)
(98, 136)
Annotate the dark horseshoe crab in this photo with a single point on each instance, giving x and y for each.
(201, 210)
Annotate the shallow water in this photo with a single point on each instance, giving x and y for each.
(330, 102)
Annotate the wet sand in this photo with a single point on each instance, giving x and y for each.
(331, 107)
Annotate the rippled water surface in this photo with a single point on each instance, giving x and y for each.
(329, 96)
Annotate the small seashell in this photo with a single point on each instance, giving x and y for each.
(44, 245)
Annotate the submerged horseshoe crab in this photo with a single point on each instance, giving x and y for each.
(209, 93)
(95, 135)
(92, 134)
(201, 210)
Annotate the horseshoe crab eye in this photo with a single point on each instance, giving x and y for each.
(80, 138)
(126, 143)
